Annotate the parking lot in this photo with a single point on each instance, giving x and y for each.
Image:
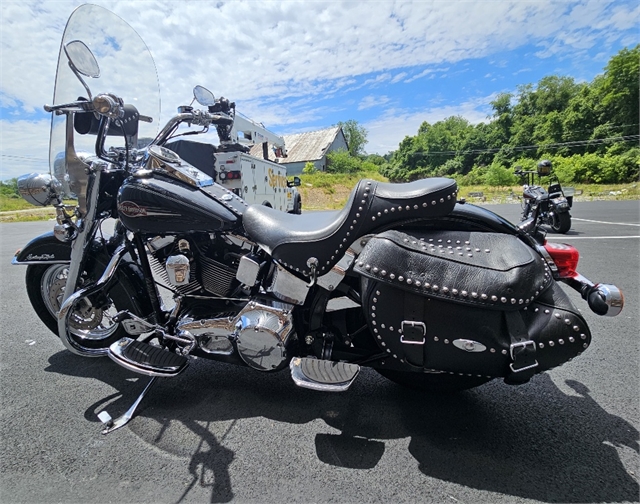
(219, 433)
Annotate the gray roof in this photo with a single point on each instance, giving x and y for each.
(309, 146)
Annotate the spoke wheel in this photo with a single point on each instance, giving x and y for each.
(86, 321)
(91, 326)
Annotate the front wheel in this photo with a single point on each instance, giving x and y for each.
(91, 326)
(561, 223)
(432, 382)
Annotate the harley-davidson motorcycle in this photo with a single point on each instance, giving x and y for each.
(548, 207)
(406, 279)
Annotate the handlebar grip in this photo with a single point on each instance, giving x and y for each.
(597, 303)
(146, 119)
(81, 105)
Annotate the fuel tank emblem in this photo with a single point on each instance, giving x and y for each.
(131, 209)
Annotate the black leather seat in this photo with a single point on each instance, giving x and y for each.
(293, 240)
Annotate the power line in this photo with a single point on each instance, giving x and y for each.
(577, 143)
(24, 158)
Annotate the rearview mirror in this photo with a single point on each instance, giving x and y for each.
(81, 59)
(203, 96)
(296, 182)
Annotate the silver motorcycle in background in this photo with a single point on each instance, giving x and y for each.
(548, 207)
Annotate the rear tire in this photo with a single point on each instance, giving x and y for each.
(91, 326)
(561, 222)
(432, 382)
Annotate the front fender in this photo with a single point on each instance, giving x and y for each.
(47, 249)
(44, 249)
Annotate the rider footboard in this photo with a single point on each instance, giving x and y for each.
(478, 304)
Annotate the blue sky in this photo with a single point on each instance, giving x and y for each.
(300, 66)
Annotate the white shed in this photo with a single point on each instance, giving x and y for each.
(311, 146)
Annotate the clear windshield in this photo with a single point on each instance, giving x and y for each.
(126, 70)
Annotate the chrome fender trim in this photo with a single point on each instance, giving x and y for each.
(67, 307)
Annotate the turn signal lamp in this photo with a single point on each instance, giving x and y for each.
(565, 257)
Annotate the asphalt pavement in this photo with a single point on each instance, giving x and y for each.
(219, 433)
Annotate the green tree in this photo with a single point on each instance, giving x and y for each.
(618, 91)
(9, 188)
(498, 175)
(341, 161)
(309, 168)
(502, 120)
(355, 135)
(534, 123)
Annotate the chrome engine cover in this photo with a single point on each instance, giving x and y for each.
(263, 330)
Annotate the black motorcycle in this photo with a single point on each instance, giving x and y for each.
(547, 207)
(427, 290)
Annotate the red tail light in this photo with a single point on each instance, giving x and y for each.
(566, 258)
(229, 175)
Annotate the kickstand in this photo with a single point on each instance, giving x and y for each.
(111, 425)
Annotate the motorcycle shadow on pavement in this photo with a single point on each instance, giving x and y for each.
(533, 441)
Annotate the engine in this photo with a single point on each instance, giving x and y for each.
(261, 333)
(199, 264)
(217, 313)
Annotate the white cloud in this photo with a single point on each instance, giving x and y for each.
(293, 62)
(397, 78)
(387, 131)
(25, 148)
(252, 49)
(420, 75)
(371, 101)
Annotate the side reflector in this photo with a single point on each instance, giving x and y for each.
(566, 258)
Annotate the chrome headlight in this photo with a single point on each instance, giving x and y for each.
(39, 189)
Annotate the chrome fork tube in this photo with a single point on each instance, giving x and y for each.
(87, 226)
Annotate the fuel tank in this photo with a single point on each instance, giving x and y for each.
(158, 204)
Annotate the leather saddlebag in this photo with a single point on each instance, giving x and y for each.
(470, 303)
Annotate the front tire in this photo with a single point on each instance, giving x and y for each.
(561, 223)
(432, 382)
(92, 327)
(297, 205)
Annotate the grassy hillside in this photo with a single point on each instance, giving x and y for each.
(321, 191)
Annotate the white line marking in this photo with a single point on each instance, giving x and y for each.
(602, 222)
(589, 237)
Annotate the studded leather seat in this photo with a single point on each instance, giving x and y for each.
(293, 240)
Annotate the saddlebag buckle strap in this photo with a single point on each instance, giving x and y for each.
(413, 333)
(522, 350)
(523, 355)
(413, 330)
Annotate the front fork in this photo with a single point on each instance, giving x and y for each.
(84, 229)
